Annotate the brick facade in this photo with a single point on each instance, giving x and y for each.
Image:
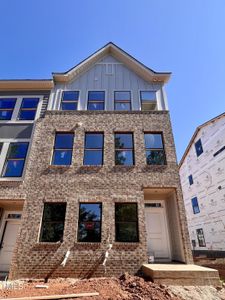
(77, 183)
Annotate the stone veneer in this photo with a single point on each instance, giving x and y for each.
(77, 183)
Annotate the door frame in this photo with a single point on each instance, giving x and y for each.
(163, 206)
(5, 220)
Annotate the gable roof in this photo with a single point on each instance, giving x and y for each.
(110, 48)
(195, 134)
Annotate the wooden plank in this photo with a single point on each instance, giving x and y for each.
(66, 296)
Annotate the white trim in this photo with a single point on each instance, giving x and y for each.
(3, 156)
(58, 106)
(4, 220)
(163, 206)
(16, 110)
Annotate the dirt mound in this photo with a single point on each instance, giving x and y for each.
(126, 287)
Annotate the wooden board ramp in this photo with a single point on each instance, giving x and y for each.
(66, 296)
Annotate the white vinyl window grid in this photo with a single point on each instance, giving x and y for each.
(3, 156)
(16, 110)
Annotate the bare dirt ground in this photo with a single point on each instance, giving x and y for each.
(126, 287)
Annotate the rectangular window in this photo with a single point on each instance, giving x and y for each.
(195, 206)
(89, 225)
(28, 109)
(154, 149)
(69, 100)
(200, 236)
(63, 148)
(124, 149)
(96, 100)
(148, 100)
(190, 178)
(15, 160)
(219, 151)
(1, 145)
(53, 222)
(198, 147)
(122, 100)
(94, 144)
(126, 219)
(6, 108)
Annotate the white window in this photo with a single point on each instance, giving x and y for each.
(20, 108)
(13, 154)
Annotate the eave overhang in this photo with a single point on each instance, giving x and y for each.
(26, 84)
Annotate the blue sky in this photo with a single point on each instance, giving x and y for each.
(184, 37)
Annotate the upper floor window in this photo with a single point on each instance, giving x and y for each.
(154, 148)
(96, 100)
(15, 160)
(201, 238)
(124, 149)
(198, 147)
(122, 100)
(93, 153)
(195, 206)
(148, 100)
(28, 109)
(190, 178)
(63, 148)
(70, 100)
(6, 108)
(89, 224)
(53, 222)
(126, 218)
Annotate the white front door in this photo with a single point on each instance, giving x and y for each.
(10, 226)
(157, 231)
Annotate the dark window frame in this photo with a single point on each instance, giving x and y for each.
(198, 153)
(69, 101)
(94, 149)
(90, 101)
(136, 222)
(9, 109)
(52, 222)
(132, 150)
(190, 179)
(7, 159)
(33, 109)
(196, 209)
(156, 149)
(100, 222)
(62, 149)
(122, 101)
(201, 241)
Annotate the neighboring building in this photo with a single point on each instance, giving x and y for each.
(202, 173)
(88, 160)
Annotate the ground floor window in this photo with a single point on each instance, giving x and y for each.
(201, 238)
(53, 222)
(126, 219)
(89, 224)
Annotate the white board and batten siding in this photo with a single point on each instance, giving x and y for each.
(108, 75)
(208, 173)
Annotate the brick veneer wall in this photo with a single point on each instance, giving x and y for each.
(77, 183)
